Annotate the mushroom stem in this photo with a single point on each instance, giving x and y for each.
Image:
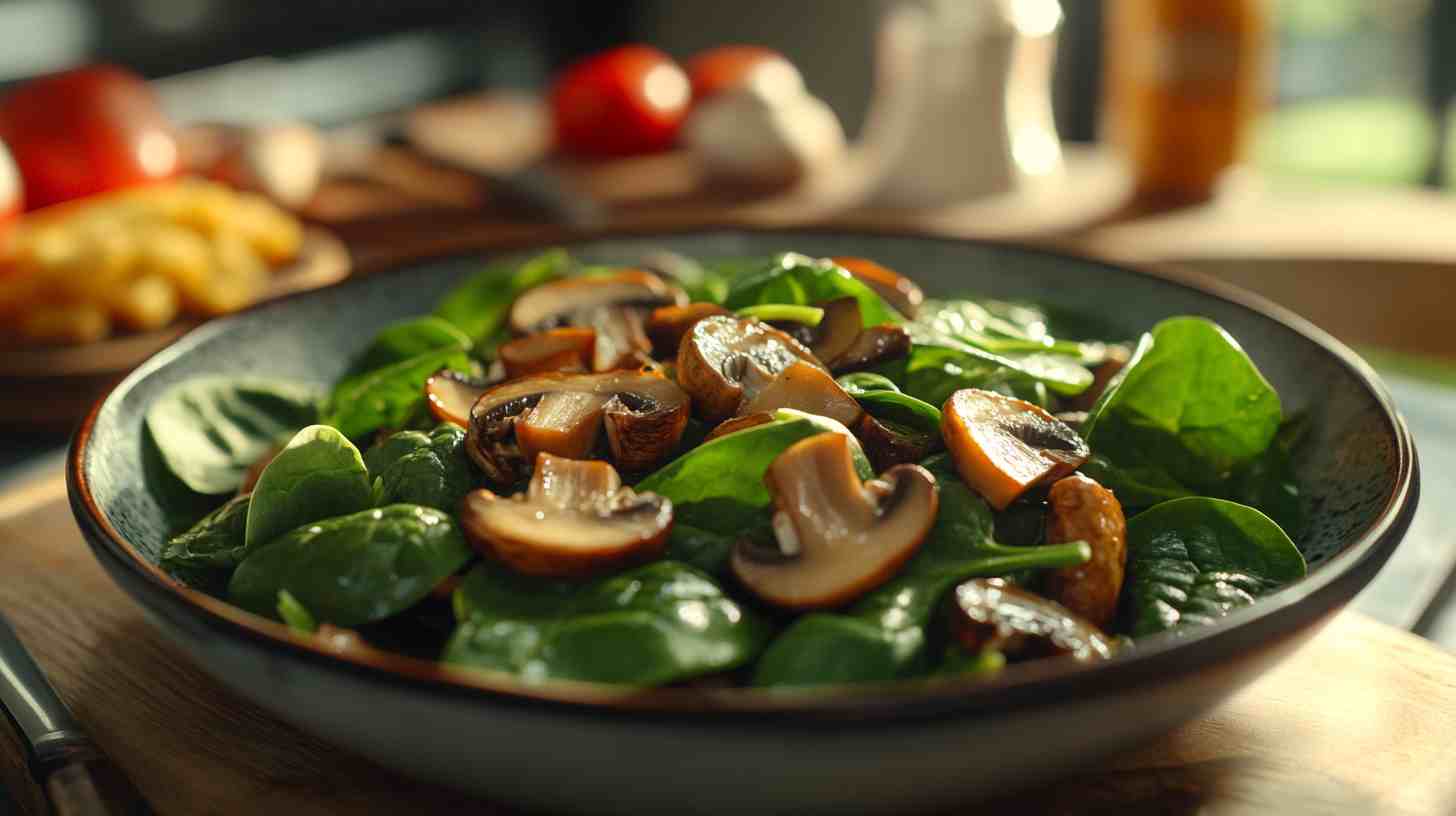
(838, 537)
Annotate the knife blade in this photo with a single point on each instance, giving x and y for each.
(62, 759)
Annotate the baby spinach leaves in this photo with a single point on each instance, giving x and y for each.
(479, 305)
(216, 542)
(210, 430)
(996, 326)
(882, 637)
(422, 468)
(938, 366)
(1188, 409)
(320, 474)
(385, 384)
(354, 569)
(717, 488)
(655, 624)
(1194, 560)
(798, 279)
(883, 400)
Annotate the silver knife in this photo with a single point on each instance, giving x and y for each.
(62, 758)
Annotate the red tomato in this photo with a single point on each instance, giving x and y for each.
(86, 131)
(729, 66)
(628, 100)
(12, 200)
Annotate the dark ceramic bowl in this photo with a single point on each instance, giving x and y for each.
(890, 748)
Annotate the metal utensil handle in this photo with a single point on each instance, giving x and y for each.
(51, 732)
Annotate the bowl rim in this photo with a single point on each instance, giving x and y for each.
(1158, 659)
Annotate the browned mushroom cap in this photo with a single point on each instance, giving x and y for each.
(574, 519)
(897, 290)
(874, 345)
(989, 612)
(837, 537)
(614, 306)
(725, 360)
(1003, 446)
(512, 423)
(565, 349)
(450, 396)
(1080, 509)
(887, 446)
(837, 330)
(667, 325)
(843, 344)
(808, 388)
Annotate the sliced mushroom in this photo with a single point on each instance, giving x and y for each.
(614, 306)
(574, 519)
(562, 414)
(1004, 446)
(667, 325)
(808, 388)
(838, 329)
(451, 395)
(725, 360)
(843, 344)
(874, 345)
(565, 349)
(837, 537)
(897, 290)
(887, 445)
(739, 423)
(990, 613)
(1080, 509)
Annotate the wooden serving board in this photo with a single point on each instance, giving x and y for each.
(1362, 720)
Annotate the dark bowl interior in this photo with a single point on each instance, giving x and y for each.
(1358, 474)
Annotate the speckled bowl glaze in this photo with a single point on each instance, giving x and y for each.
(883, 749)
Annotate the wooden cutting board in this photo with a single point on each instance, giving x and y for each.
(1362, 720)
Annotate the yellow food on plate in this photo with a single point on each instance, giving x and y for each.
(137, 259)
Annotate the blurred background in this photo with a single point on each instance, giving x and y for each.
(1361, 89)
(1302, 148)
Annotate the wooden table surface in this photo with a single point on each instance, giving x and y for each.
(1361, 720)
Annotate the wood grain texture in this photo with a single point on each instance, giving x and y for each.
(1363, 720)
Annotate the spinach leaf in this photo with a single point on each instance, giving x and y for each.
(1193, 560)
(938, 366)
(1010, 328)
(295, 614)
(479, 305)
(385, 385)
(863, 382)
(798, 279)
(318, 475)
(413, 467)
(882, 637)
(354, 569)
(655, 624)
(901, 409)
(718, 487)
(216, 542)
(1188, 409)
(1269, 482)
(210, 430)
